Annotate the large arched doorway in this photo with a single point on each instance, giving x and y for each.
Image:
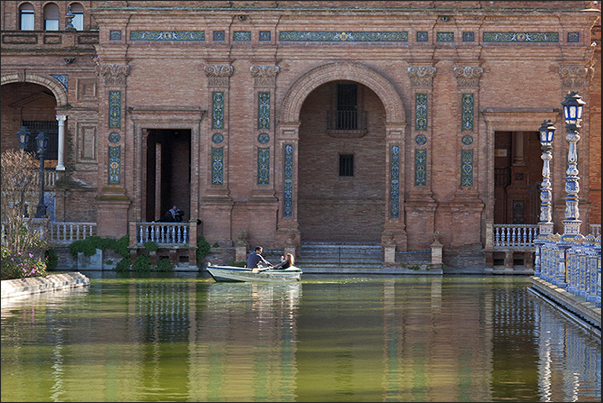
(342, 164)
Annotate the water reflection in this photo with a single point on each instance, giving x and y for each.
(433, 338)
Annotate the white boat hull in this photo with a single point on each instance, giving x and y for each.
(244, 274)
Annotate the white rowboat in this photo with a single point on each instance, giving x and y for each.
(245, 274)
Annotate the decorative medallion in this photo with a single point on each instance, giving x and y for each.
(263, 138)
(467, 140)
(114, 137)
(421, 139)
(217, 138)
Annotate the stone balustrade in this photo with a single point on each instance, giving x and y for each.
(573, 265)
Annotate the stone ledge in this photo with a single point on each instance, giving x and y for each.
(577, 305)
(32, 285)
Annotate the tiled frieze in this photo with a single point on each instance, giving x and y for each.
(241, 36)
(468, 36)
(467, 168)
(263, 166)
(521, 37)
(420, 167)
(114, 165)
(265, 36)
(422, 36)
(217, 166)
(467, 112)
(394, 183)
(115, 35)
(219, 36)
(161, 36)
(63, 79)
(263, 110)
(217, 110)
(420, 111)
(573, 37)
(445, 37)
(288, 181)
(115, 109)
(339, 36)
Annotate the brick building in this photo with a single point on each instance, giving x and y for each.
(299, 121)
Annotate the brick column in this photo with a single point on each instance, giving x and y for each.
(112, 202)
(420, 206)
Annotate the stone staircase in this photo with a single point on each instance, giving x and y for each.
(359, 258)
(341, 257)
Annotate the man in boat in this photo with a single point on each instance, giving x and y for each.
(256, 257)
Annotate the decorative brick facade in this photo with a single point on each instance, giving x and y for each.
(236, 112)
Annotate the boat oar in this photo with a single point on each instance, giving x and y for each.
(257, 269)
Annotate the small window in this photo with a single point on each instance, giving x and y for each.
(51, 17)
(346, 165)
(27, 15)
(78, 20)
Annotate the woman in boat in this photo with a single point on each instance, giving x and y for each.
(286, 262)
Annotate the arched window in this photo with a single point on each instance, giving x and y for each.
(26, 12)
(78, 21)
(51, 17)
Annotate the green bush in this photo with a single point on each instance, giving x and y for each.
(142, 263)
(52, 260)
(84, 246)
(122, 246)
(164, 265)
(151, 246)
(202, 249)
(123, 265)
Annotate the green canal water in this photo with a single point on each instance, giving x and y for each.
(184, 337)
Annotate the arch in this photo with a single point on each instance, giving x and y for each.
(387, 93)
(58, 90)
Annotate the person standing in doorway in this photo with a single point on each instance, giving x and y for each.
(256, 257)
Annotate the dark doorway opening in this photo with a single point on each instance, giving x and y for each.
(517, 178)
(168, 166)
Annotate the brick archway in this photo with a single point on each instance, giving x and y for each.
(387, 93)
(58, 90)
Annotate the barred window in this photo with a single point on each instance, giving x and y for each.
(346, 165)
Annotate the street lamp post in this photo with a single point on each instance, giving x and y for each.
(572, 111)
(545, 226)
(42, 143)
(23, 137)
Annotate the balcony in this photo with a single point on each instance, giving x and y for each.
(347, 124)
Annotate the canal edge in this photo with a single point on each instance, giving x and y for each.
(34, 285)
(583, 312)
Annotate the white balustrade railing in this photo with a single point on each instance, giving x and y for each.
(162, 233)
(67, 232)
(514, 235)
